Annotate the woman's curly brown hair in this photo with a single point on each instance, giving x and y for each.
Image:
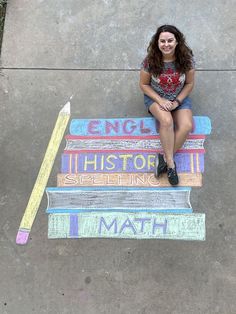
(183, 54)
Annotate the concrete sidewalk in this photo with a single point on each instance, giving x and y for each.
(92, 49)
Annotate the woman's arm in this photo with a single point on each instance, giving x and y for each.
(188, 87)
(144, 83)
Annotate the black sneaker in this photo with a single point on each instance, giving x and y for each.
(160, 165)
(172, 176)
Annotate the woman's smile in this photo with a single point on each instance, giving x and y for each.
(167, 43)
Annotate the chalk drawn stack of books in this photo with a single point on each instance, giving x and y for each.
(107, 189)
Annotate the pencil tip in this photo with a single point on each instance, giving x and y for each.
(66, 108)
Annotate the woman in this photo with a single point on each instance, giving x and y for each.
(166, 79)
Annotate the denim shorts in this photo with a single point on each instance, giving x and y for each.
(186, 103)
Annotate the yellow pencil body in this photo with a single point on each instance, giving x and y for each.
(43, 175)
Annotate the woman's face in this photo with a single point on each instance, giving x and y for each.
(167, 43)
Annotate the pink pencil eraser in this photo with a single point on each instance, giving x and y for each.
(22, 237)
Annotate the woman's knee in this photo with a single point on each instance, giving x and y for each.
(166, 122)
(186, 126)
(164, 118)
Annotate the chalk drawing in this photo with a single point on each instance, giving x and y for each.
(125, 179)
(129, 126)
(43, 175)
(107, 189)
(118, 198)
(126, 162)
(127, 225)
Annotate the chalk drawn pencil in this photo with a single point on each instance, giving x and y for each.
(43, 175)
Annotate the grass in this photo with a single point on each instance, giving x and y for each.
(3, 4)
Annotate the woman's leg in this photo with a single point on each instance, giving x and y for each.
(166, 130)
(183, 120)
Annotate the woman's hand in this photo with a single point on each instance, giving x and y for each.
(175, 104)
(166, 104)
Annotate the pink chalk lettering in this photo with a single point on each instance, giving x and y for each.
(112, 126)
(92, 127)
(129, 126)
(143, 129)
